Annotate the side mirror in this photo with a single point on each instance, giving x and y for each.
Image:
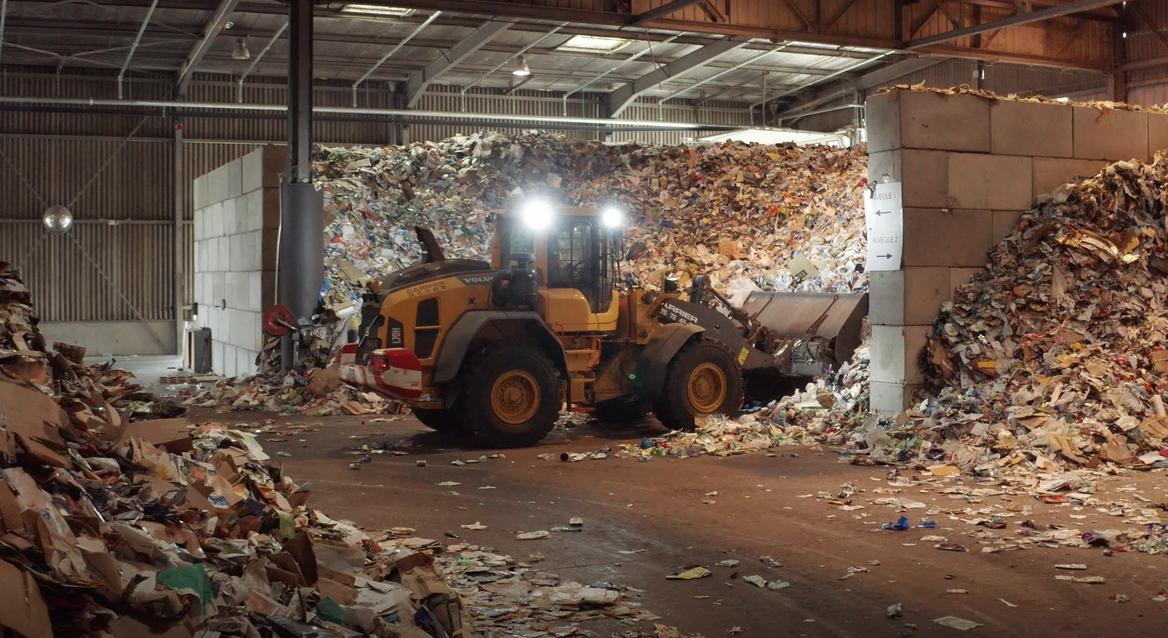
(636, 250)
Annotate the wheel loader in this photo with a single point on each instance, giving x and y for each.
(495, 351)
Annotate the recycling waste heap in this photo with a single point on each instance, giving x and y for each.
(738, 212)
(117, 522)
(1052, 359)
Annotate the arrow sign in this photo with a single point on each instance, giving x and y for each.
(884, 216)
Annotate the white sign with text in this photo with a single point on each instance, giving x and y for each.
(884, 216)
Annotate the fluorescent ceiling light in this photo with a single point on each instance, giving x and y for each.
(376, 10)
(592, 44)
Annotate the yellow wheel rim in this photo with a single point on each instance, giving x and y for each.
(707, 388)
(515, 397)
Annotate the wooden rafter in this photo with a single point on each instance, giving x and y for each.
(1071, 37)
(799, 13)
(840, 14)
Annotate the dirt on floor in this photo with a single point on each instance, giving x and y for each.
(667, 508)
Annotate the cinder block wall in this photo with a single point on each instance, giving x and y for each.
(969, 167)
(237, 216)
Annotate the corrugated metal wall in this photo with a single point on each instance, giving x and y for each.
(92, 164)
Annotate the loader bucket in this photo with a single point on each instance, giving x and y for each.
(799, 315)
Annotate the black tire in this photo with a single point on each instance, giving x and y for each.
(528, 400)
(620, 411)
(444, 421)
(697, 364)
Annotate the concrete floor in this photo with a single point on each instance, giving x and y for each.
(147, 369)
(658, 506)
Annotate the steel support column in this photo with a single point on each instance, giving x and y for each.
(180, 265)
(300, 258)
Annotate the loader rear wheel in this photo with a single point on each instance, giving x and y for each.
(620, 411)
(509, 395)
(444, 421)
(702, 379)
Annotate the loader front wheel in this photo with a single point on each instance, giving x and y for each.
(509, 396)
(444, 421)
(702, 379)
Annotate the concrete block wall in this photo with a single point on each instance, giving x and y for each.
(237, 216)
(969, 167)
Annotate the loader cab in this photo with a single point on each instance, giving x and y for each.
(576, 252)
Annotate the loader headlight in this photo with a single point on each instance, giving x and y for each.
(612, 217)
(537, 214)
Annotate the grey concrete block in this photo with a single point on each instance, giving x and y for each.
(1029, 128)
(896, 352)
(218, 288)
(912, 296)
(234, 178)
(1005, 223)
(244, 364)
(960, 276)
(214, 220)
(253, 207)
(1118, 135)
(254, 245)
(924, 175)
(990, 182)
(924, 120)
(941, 237)
(890, 398)
(199, 192)
(217, 185)
(1157, 133)
(198, 226)
(253, 170)
(255, 291)
(236, 289)
(230, 223)
(238, 256)
(230, 360)
(216, 354)
(1049, 174)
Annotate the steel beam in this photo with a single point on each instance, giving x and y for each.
(723, 72)
(621, 98)
(256, 60)
(418, 29)
(180, 277)
(892, 71)
(622, 63)
(1013, 21)
(663, 10)
(818, 80)
(300, 91)
(134, 46)
(187, 71)
(508, 61)
(416, 85)
(299, 256)
(3, 17)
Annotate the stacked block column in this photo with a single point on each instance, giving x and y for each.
(237, 216)
(969, 168)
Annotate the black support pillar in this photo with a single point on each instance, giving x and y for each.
(300, 271)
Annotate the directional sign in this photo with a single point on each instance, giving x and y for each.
(884, 214)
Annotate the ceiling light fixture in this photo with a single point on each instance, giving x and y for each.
(376, 10)
(592, 44)
(241, 52)
(521, 69)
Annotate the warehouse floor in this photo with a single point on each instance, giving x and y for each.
(658, 506)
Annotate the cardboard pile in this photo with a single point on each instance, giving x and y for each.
(1103, 105)
(318, 392)
(739, 212)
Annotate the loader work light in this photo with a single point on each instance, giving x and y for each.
(537, 215)
(612, 218)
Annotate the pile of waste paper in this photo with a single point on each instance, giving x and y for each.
(1103, 105)
(317, 392)
(1058, 350)
(740, 212)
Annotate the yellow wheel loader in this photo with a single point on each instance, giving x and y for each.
(495, 351)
